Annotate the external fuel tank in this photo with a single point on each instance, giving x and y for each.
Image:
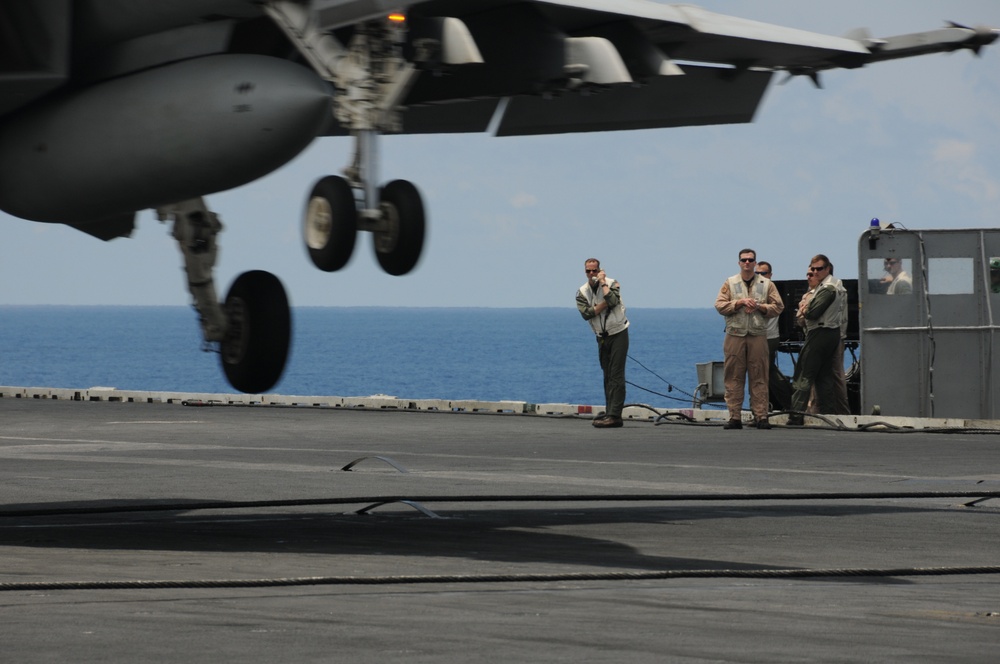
(156, 137)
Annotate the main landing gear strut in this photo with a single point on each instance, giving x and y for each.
(371, 78)
(252, 329)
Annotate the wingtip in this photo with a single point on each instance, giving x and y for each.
(982, 35)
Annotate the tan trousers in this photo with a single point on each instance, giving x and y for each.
(746, 356)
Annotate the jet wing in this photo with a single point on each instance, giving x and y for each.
(598, 65)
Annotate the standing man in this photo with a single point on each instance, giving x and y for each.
(840, 404)
(600, 303)
(779, 388)
(747, 299)
(822, 315)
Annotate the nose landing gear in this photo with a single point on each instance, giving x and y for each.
(331, 223)
(394, 215)
(398, 246)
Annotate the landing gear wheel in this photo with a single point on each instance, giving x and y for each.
(398, 248)
(259, 328)
(331, 223)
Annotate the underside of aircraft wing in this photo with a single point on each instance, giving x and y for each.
(599, 65)
(704, 96)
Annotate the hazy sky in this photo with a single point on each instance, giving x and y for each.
(511, 220)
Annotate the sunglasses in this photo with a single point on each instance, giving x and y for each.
(594, 271)
(817, 269)
(760, 272)
(748, 260)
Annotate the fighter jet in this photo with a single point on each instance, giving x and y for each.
(111, 107)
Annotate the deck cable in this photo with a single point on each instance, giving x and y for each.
(779, 573)
(515, 498)
(509, 498)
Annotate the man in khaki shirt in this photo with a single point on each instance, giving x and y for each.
(746, 299)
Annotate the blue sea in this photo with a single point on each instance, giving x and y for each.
(538, 355)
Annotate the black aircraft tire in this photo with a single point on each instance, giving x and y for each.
(255, 348)
(398, 249)
(330, 224)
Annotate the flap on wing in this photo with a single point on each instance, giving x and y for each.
(706, 95)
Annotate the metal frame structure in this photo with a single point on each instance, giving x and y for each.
(932, 351)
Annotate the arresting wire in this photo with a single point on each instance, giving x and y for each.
(503, 498)
(779, 573)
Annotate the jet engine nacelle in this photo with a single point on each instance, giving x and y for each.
(157, 137)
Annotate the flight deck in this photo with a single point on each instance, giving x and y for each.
(201, 529)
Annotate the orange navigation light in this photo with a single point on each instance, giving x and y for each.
(397, 17)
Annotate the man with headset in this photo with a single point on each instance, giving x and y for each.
(600, 303)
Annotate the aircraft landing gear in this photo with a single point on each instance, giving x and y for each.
(372, 76)
(259, 329)
(253, 329)
(331, 223)
(394, 215)
(398, 245)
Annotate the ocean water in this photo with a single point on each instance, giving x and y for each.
(539, 355)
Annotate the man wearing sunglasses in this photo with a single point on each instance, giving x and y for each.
(747, 300)
(822, 315)
(599, 301)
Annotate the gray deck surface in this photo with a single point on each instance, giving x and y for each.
(567, 570)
